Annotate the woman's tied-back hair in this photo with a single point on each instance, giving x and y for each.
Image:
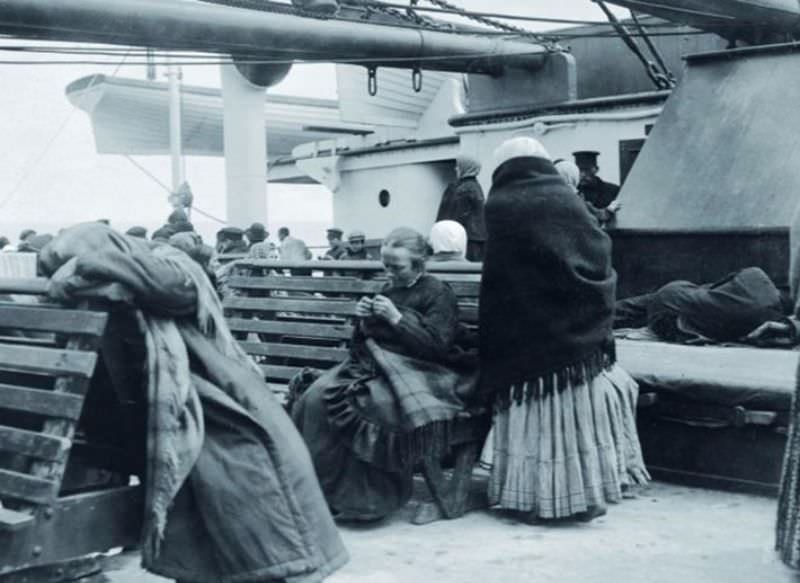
(412, 240)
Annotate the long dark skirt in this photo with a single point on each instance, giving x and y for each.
(355, 489)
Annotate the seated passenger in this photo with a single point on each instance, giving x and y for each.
(368, 420)
(448, 240)
(356, 247)
(724, 311)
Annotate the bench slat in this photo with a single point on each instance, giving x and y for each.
(23, 487)
(22, 285)
(309, 306)
(47, 361)
(330, 331)
(282, 373)
(313, 284)
(299, 351)
(40, 402)
(32, 444)
(32, 318)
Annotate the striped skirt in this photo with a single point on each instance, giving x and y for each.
(570, 451)
(787, 535)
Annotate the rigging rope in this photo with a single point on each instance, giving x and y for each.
(660, 80)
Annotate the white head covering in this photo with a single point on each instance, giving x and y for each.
(569, 172)
(517, 148)
(467, 167)
(449, 237)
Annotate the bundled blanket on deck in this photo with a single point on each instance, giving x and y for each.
(213, 512)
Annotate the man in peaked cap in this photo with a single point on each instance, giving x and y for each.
(231, 240)
(337, 249)
(592, 188)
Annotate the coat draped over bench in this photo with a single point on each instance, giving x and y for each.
(230, 489)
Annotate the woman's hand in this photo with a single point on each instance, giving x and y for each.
(364, 307)
(781, 333)
(384, 308)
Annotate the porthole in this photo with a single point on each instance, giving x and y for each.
(384, 198)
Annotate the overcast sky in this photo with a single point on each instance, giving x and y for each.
(51, 175)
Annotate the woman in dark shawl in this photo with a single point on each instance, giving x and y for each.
(564, 436)
(462, 202)
(368, 420)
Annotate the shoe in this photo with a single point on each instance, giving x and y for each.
(591, 513)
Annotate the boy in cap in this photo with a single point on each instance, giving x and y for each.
(356, 249)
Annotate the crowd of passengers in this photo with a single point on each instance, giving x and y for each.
(240, 489)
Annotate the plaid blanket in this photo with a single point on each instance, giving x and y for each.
(424, 392)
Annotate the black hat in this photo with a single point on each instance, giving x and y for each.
(165, 232)
(335, 231)
(256, 232)
(177, 216)
(140, 232)
(230, 234)
(584, 158)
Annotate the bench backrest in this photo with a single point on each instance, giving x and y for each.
(288, 322)
(47, 357)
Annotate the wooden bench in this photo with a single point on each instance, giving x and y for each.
(52, 508)
(287, 323)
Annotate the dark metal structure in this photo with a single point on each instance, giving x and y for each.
(190, 25)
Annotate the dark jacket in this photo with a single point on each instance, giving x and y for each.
(463, 202)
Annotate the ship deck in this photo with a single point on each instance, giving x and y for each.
(668, 533)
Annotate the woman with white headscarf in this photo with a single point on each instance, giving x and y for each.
(448, 239)
(565, 439)
(462, 202)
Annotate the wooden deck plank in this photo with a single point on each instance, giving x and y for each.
(334, 331)
(47, 361)
(312, 284)
(28, 488)
(32, 318)
(40, 402)
(33, 444)
(308, 306)
(298, 351)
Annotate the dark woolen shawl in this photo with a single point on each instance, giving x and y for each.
(548, 288)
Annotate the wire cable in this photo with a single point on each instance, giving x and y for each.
(155, 179)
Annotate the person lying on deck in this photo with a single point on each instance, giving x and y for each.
(230, 490)
(368, 420)
(728, 310)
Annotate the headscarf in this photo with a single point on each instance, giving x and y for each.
(521, 147)
(569, 172)
(467, 167)
(449, 237)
